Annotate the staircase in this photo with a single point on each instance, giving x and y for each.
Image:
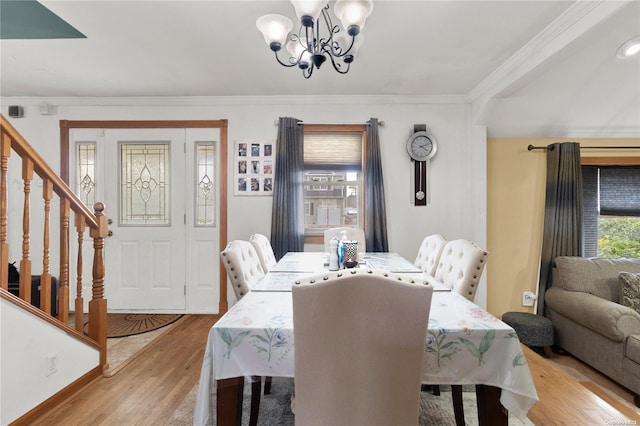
(12, 143)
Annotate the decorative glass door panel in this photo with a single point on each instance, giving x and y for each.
(205, 212)
(86, 172)
(145, 184)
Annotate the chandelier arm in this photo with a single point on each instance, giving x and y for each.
(346, 52)
(338, 65)
(285, 64)
(306, 73)
(336, 51)
(331, 30)
(330, 46)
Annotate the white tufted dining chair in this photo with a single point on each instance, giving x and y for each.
(265, 252)
(460, 267)
(243, 266)
(355, 234)
(244, 270)
(429, 253)
(354, 366)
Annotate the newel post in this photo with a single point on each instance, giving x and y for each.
(98, 304)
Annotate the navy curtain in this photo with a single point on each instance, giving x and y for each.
(287, 220)
(376, 213)
(563, 212)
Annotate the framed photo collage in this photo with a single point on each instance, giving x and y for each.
(254, 162)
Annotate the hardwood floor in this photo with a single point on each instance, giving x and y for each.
(150, 388)
(606, 388)
(563, 400)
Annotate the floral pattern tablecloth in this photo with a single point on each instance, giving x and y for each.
(465, 345)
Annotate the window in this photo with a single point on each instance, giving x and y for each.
(86, 172)
(333, 177)
(611, 210)
(144, 184)
(205, 210)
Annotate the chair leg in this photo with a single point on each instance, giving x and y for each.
(256, 385)
(458, 406)
(267, 385)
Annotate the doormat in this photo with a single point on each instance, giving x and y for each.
(123, 325)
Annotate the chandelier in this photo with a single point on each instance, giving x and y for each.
(318, 38)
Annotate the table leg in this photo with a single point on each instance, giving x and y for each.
(229, 401)
(490, 410)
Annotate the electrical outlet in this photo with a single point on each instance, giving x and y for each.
(51, 364)
(528, 298)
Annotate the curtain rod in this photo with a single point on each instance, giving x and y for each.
(380, 123)
(531, 147)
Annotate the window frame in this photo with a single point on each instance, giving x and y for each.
(332, 128)
(603, 161)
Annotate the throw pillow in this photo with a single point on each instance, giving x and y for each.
(630, 290)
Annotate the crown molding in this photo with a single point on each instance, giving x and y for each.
(235, 100)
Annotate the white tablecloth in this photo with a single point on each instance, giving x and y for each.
(465, 345)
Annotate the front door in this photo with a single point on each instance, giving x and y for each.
(145, 254)
(159, 189)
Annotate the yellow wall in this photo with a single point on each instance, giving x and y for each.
(515, 213)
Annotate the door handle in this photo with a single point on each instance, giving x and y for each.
(110, 234)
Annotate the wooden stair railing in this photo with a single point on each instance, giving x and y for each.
(52, 184)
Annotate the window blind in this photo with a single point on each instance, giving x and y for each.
(620, 191)
(333, 150)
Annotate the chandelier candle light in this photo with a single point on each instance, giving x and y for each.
(309, 47)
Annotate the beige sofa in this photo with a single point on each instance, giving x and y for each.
(589, 321)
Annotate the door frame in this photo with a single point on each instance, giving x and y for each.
(67, 125)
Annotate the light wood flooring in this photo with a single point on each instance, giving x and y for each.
(149, 388)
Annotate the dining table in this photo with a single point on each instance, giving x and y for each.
(465, 345)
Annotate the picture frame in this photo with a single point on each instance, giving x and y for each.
(254, 167)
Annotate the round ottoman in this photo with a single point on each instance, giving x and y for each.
(532, 330)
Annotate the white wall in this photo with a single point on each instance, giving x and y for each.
(26, 341)
(458, 171)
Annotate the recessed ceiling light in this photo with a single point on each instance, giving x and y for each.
(629, 48)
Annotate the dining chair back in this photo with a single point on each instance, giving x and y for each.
(460, 267)
(244, 270)
(243, 266)
(354, 366)
(265, 252)
(429, 253)
(354, 234)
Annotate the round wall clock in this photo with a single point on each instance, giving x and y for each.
(421, 147)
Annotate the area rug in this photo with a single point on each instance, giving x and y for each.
(123, 325)
(275, 408)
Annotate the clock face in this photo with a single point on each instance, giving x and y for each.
(421, 147)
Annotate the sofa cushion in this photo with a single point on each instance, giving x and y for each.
(597, 275)
(630, 290)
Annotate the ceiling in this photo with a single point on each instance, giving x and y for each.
(527, 68)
